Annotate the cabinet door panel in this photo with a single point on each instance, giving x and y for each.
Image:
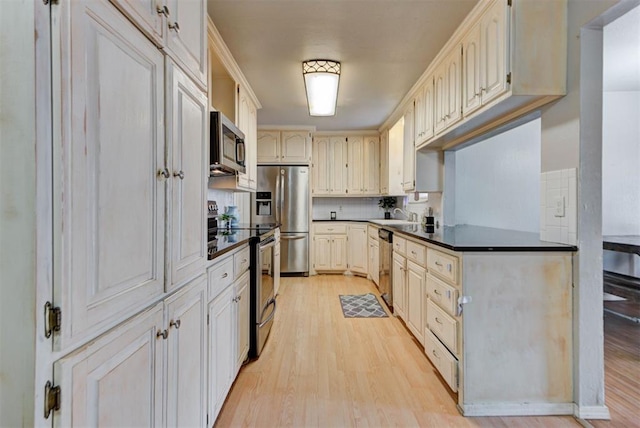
(415, 300)
(221, 349)
(471, 80)
(355, 184)
(186, 364)
(144, 13)
(338, 171)
(188, 45)
(110, 204)
(187, 126)
(242, 294)
(494, 53)
(454, 87)
(322, 252)
(295, 147)
(399, 276)
(116, 380)
(357, 256)
(339, 252)
(320, 168)
(429, 105)
(371, 173)
(268, 146)
(243, 118)
(409, 153)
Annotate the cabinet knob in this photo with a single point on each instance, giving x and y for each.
(162, 334)
(175, 324)
(163, 10)
(179, 174)
(225, 275)
(163, 173)
(174, 26)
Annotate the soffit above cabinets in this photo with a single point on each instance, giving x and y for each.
(384, 47)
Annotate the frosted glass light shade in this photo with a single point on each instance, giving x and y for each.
(321, 79)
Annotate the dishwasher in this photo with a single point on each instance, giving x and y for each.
(385, 237)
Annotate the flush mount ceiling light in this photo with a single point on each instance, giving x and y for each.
(321, 77)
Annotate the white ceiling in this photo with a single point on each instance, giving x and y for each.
(622, 53)
(384, 47)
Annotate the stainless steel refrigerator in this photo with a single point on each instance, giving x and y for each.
(282, 197)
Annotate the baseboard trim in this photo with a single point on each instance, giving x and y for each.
(591, 412)
(521, 409)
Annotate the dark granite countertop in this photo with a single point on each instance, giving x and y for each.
(477, 238)
(345, 220)
(230, 239)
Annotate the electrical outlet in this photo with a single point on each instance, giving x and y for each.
(559, 205)
(340, 208)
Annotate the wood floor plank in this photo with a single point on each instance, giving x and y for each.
(319, 369)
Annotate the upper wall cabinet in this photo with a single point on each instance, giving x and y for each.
(287, 147)
(506, 59)
(424, 112)
(346, 165)
(187, 42)
(178, 26)
(485, 59)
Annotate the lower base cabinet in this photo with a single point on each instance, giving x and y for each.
(148, 367)
(399, 280)
(415, 305)
(228, 340)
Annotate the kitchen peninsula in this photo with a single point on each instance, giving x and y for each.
(485, 303)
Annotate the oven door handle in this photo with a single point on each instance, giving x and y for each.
(292, 238)
(273, 313)
(268, 243)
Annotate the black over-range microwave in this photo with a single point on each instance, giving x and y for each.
(227, 153)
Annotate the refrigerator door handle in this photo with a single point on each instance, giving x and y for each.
(277, 199)
(292, 238)
(281, 177)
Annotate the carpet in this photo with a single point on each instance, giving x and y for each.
(361, 306)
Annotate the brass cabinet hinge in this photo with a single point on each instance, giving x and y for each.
(51, 399)
(52, 319)
(509, 78)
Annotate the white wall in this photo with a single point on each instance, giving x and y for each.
(497, 181)
(621, 138)
(621, 175)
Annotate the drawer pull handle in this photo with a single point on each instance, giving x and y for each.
(438, 264)
(225, 275)
(435, 354)
(436, 292)
(438, 321)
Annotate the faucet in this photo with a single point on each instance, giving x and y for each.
(410, 215)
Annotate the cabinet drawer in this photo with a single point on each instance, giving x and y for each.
(443, 326)
(442, 294)
(372, 231)
(241, 262)
(443, 265)
(445, 363)
(416, 253)
(399, 245)
(219, 276)
(330, 229)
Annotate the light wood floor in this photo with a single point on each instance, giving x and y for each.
(621, 372)
(320, 369)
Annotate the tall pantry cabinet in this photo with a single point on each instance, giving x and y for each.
(130, 125)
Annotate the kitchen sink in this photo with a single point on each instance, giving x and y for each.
(393, 222)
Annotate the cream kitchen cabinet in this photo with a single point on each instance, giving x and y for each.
(187, 37)
(357, 255)
(384, 162)
(355, 176)
(330, 246)
(409, 152)
(329, 167)
(485, 58)
(127, 183)
(371, 165)
(374, 254)
(448, 90)
(247, 123)
(424, 113)
(228, 319)
(287, 147)
(179, 27)
(415, 303)
(187, 124)
(134, 374)
(391, 159)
